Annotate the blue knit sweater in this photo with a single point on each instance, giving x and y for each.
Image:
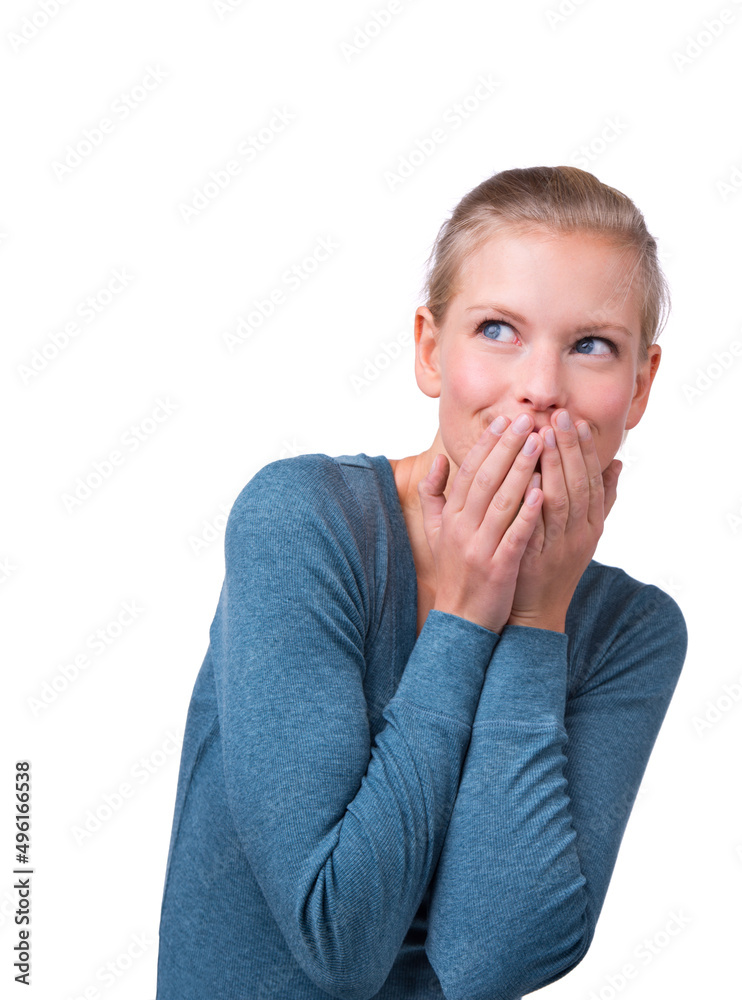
(361, 812)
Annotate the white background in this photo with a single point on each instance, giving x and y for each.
(602, 68)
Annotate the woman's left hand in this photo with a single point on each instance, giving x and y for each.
(577, 498)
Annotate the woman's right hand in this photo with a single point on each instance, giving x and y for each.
(478, 535)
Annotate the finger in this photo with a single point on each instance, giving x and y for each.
(596, 500)
(533, 483)
(472, 462)
(432, 500)
(575, 471)
(556, 497)
(503, 509)
(492, 486)
(536, 541)
(517, 537)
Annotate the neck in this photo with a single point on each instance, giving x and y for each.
(407, 474)
(410, 470)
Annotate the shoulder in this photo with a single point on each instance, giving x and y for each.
(295, 545)
(309, 472)
(314, 492)
(615, 616)
(621, 596)
(298, 483)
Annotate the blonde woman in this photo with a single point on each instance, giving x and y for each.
(425, 709)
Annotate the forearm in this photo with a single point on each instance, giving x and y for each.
(508, 908)
(547, 788)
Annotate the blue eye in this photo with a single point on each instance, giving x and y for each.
(497, 324)
(588, 341)
(495, 330)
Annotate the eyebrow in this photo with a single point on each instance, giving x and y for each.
(588, 328)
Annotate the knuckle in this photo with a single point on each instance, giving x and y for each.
(596, 482)
(523, 462)
(484, 479)
(468, 467)
(501, 502)
(513, 541)
(471, 560)
(578, 513)
(553, 532)
(509, 446)
(581, 486)
(571, 443)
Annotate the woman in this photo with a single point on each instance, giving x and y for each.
(425, 709)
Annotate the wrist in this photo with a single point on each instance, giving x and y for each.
(451, 607)
(552, 623)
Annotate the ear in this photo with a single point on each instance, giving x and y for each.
(427, 353)
(644, 377)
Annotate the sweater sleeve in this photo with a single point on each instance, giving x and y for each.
(341, 831)
(547, 787)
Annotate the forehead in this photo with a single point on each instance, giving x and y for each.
(544, 270)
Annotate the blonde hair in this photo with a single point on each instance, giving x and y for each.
(552, 200)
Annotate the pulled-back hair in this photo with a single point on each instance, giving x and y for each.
(552, 200)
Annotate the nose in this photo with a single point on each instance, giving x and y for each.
(540, 382)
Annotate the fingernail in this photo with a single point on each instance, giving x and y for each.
(563, 421)
(583, 431)
(531, 444)
(550, 438)
(522, 423)
(498, 425)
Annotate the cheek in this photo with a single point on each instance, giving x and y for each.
(610, 411)
(468, 390)
(468, 384)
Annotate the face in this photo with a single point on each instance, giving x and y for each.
(539, 322)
